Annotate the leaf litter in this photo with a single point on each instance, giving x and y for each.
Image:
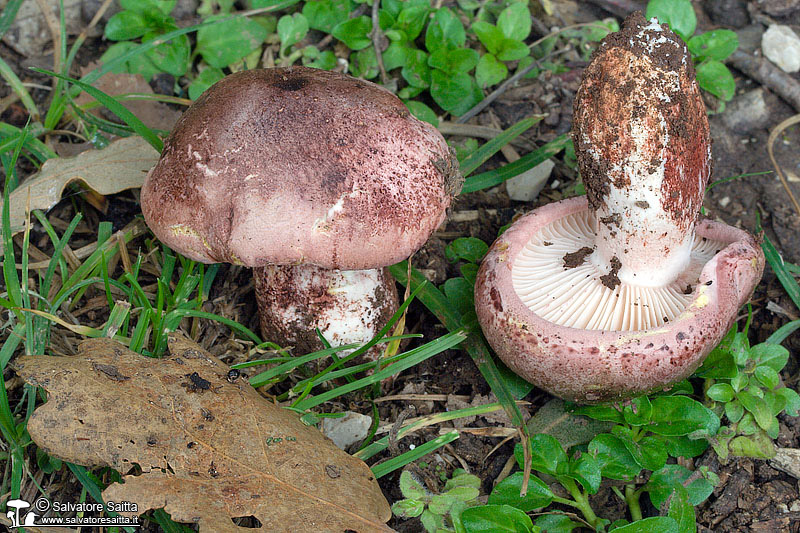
(210, 449)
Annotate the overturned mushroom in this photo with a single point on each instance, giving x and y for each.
(318, 180)
(622, 292)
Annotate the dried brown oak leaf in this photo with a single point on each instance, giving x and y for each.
(209, 446)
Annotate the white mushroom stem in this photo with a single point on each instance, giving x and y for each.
(347, 306)
(632, 226)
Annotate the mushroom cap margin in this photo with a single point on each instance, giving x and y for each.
(596, 366)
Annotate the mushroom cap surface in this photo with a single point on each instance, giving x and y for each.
(299, 166)
(595, 365)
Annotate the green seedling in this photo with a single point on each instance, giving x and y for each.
(743, 384)
(438, 512)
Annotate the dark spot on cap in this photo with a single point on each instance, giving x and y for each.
(287, 83)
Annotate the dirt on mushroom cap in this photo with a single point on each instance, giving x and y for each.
(300, 165)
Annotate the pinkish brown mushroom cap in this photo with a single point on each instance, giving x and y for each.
(594, 365)
(298, 165)
(622, 292)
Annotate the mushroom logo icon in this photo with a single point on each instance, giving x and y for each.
(14, 507)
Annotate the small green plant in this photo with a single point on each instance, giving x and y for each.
(708, 49)
(438, 512)
(743, 384)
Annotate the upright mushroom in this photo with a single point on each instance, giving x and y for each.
(316, 179)
(622, 292)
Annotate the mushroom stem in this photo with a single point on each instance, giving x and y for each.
(347, 306)
(644, 150)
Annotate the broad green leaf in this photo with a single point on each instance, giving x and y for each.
(445, 31)
(662, 483)
(681, 415)
(720, 392)
(614, 459)
(139, 64)
(325, 61)
(408, 508)
(147, 7)
(774, 356)
(469, 249)
(547, 455)
(648, 452)
(395, 55)
(719, 364)
(431, 522)
(490, 71)
(172, 57)
(423, 113)
(556, 523)
(496, 519)
(292, 29)
(462, 479)
(792, 400)
(459, 292)
(767, 376)
(412, 19)
(661, 524)
(203, 81)
(440, 504)
(354, 32)
(682, 511)
(410, 487)
(511, 50)
(324, 15)
(714, 44)
(714, 77)
(455, 93)
(416, 71)
(228, 41)
(679, 14)
(489, 35)
(683, 446)
(364, 63)
(126, 25)
(586, 471)
(515, 21)
(757, 407)
(606, 412)
(734, 411)
(454, 61)
(758, 445)
(638, 411)
(507, 492)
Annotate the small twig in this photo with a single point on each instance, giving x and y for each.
(767, 74)
(773, 135)
(375, 35)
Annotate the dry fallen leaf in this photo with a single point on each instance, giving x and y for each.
(122, 165)
(209, 446)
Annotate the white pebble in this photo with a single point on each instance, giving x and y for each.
(782, 46)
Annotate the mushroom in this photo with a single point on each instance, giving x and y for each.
(622, 292)
(318, 181)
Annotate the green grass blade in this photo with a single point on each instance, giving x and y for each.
(115, 107)
(387, 467)
(526, 162)
(783, 332)
(10, 134)
(82, 475)
(380, 445)
(415, 356)
(776, 262)
(8, 15)
(482, 154)
(16, 85)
